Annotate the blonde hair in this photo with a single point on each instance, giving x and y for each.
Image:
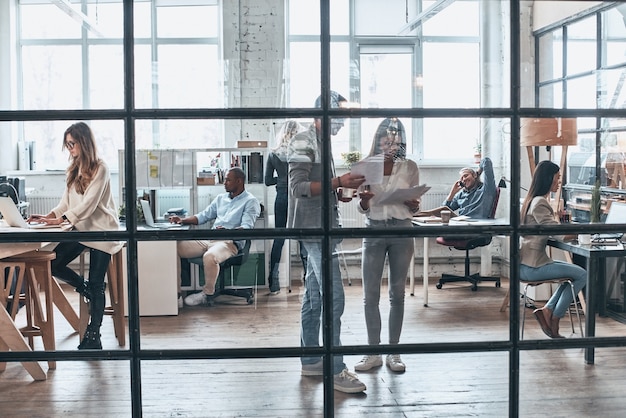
(289, 129)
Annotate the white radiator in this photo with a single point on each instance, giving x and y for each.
(41, 204)
(432, 200)
(352, 218)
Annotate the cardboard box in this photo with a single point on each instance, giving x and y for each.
(206, 181)
(251, 144)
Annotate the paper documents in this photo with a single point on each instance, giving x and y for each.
(402, 195)
(371, 168)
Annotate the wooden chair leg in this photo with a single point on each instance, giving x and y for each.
(40, 280)
(64, 306)
(11, 269)
(583, 302)
(505, 301)
(115, 274)
(11, 339)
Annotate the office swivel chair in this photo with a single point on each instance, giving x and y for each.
(232, 265)
(466, 244)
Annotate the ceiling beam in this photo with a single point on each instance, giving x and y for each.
(424, 16)
(78, 16)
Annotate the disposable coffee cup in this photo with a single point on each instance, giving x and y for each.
(346, 193)
(445, 216)
(584, 239)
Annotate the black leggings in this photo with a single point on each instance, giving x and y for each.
(99, 261)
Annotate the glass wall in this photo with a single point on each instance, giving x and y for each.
(217, 80)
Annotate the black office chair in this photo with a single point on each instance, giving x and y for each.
(231, 265)
(466, 244)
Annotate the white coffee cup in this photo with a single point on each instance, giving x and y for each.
(445, 216)
(584, 239)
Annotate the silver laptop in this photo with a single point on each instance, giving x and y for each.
(147, 214)
(13, 217)
(616, 215)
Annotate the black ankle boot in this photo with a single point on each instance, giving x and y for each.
(91, 340)
(83, 289)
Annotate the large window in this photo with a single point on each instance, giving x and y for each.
(398, 57)
(71, 57)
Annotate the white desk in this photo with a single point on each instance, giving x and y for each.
(158, 285)
(465, 222)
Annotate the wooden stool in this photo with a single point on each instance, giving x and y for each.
(115, 283)
(35, 267)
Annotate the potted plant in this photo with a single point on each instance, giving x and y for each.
(350, 158)
(122, 212)
(595, 208)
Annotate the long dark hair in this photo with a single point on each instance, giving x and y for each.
(540, 185)
(83, 168)
(388, 127)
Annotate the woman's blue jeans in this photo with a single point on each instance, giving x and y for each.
(562, 298)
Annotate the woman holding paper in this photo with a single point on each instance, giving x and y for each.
(398, 173)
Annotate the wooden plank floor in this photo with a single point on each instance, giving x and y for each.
(552, 383)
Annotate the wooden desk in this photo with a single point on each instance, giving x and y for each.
(595, 292)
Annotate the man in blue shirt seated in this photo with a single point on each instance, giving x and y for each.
(470, 196)
(235, 209)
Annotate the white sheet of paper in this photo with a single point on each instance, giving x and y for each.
(371, 168)
(401, 195)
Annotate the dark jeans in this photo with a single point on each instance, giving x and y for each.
(280, 221)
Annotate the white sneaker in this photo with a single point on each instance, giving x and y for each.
(315, 369)
(199, 298)
(348, 382)
(180, 302)
(394, 362)
(369, 362)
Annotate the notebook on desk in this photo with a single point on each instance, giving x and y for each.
(13, 217)
(147, 214)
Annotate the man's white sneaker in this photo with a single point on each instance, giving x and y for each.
(369, 362)
(394, 362)
(348, 382)
(199, 298)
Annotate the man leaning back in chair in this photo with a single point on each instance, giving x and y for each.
(235, 209)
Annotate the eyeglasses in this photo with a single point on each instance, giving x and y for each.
(392, 133)
(392, 144)
(69, 145)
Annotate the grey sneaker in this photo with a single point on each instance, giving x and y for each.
(369, 362)
(348, 382)
(394, 362)
(199, 298)
(315, 369)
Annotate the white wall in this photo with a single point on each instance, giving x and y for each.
(548, 12)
